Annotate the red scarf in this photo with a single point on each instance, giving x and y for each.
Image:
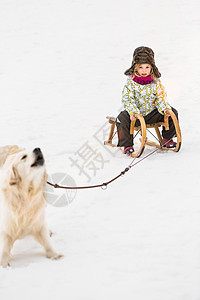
(142, 80)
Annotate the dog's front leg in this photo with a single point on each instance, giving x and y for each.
(43, 238)
(6, 247)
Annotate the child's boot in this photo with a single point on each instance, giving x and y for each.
(128, 150)
(168, 143)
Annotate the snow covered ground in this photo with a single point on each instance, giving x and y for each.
(61, 74)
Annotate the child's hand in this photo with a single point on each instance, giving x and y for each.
(132, 117)
(166, 112)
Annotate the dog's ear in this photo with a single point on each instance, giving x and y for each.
(14, 177)
(6, 151)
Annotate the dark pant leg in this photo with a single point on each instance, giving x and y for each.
(156, 117)
(123, 123)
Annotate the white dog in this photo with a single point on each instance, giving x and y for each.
(22, 200)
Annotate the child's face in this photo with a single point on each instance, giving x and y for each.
(144, 70)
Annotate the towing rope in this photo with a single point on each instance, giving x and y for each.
(105, 184)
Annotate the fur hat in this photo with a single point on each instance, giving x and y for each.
(143, 55)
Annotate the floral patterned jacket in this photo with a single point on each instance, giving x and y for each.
(143, 99)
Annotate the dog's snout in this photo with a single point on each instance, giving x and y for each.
(39, 159)
(37, 151)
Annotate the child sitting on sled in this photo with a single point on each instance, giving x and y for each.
(144, 94)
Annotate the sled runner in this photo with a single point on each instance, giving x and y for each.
(142, 129)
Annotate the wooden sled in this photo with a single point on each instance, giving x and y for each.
(143, 131)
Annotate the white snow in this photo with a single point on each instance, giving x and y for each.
(61, 74)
